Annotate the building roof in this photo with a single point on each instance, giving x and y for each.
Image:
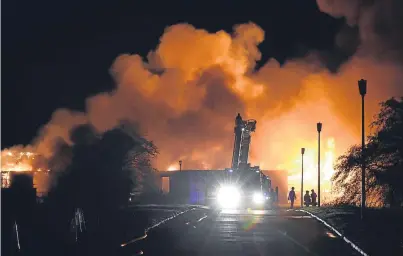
(171, 173)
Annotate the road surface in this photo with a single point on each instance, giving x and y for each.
(243, 233)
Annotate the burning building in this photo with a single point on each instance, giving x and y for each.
(17, 163)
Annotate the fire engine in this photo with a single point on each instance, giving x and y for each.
(244, 186)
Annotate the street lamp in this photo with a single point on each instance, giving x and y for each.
(180, 165)
(319, 129)
(362, 86)
(302, 176)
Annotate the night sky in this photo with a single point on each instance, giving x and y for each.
(57, 53)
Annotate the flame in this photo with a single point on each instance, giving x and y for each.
(20, 159)
(311, 169)
(172, 168)
(14, 161)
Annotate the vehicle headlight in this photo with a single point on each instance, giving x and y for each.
(258, 198)
(228, 197)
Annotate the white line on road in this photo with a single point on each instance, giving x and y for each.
(134, 240)
(202, 218)
(154, 226)
(358, 249)
(18, 236)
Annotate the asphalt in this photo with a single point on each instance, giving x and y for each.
(246, 233)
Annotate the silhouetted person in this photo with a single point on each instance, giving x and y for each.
(307, 199)
(292, 197)
(313, 197)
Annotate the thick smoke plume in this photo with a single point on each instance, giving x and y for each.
(379, 25)
(186, 93)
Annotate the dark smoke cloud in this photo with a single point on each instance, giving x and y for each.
(379, 25)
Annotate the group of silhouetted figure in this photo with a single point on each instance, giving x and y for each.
(309, 199)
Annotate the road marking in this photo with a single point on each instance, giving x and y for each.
(202, 218)
(358, 249)
(134, 240)
(296, 242)
(298, 217)
(154, 226)
(18, 236)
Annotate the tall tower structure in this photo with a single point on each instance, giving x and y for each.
(242, 130)
(237, 141)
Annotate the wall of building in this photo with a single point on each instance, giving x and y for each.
(179, 187)
(40, 180)
(41, 183)
(191, 186)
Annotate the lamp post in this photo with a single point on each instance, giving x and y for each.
(362, 86)
(180, 165)
(302, 176)
(319, 129)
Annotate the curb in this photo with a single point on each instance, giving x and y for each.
(355, 247)
(156, 225)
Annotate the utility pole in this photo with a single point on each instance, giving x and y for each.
(319, 129)
(362, 86)
(180, 165)
(302, 176)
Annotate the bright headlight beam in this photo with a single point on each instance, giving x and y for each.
(258, 198)
(228, 197)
